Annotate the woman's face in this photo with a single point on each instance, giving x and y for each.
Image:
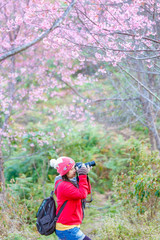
(72, 172)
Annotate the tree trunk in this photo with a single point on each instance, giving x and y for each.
(153, 129)
(151, 83)
(150, 122)
(11, 91)
(152, 140)
(148, 107)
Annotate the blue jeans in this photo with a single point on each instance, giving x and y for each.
(70, 234)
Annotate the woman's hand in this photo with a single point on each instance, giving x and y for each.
(83, 170)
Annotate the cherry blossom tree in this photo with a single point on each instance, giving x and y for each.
(126, 35)
(23, 25)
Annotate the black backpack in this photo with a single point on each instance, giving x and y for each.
(46, 215)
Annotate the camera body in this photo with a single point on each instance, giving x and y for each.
(90, 164)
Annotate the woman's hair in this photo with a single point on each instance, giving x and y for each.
(66, 179)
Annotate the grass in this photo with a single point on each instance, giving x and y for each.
(128, 226)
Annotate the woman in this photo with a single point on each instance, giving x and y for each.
(67, 188)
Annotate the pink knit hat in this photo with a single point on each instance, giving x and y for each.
(62, 164)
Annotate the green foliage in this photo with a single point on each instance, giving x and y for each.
(85, 146)
(81, 146)
(139, 184)
(15, 236)
(22, 186)
(136, 185)
(126, 163)
(139, 128)
(126, 225)
(17, 219)
(2, 117)
(12, 172)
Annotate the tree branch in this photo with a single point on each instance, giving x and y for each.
(97, 100)
(112, 32)
(145, 58)
(142, 85)
(38, 39)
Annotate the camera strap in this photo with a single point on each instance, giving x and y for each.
(89, 201)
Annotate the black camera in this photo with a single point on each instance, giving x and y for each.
(90, 164)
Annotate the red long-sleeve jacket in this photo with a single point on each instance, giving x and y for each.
(72, 213)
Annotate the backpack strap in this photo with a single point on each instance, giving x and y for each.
(61, 209)
(63, 205)
(53, 192)
(89, 201)
(57, 185)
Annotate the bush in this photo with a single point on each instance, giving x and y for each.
(139, 183)
(126, 225)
